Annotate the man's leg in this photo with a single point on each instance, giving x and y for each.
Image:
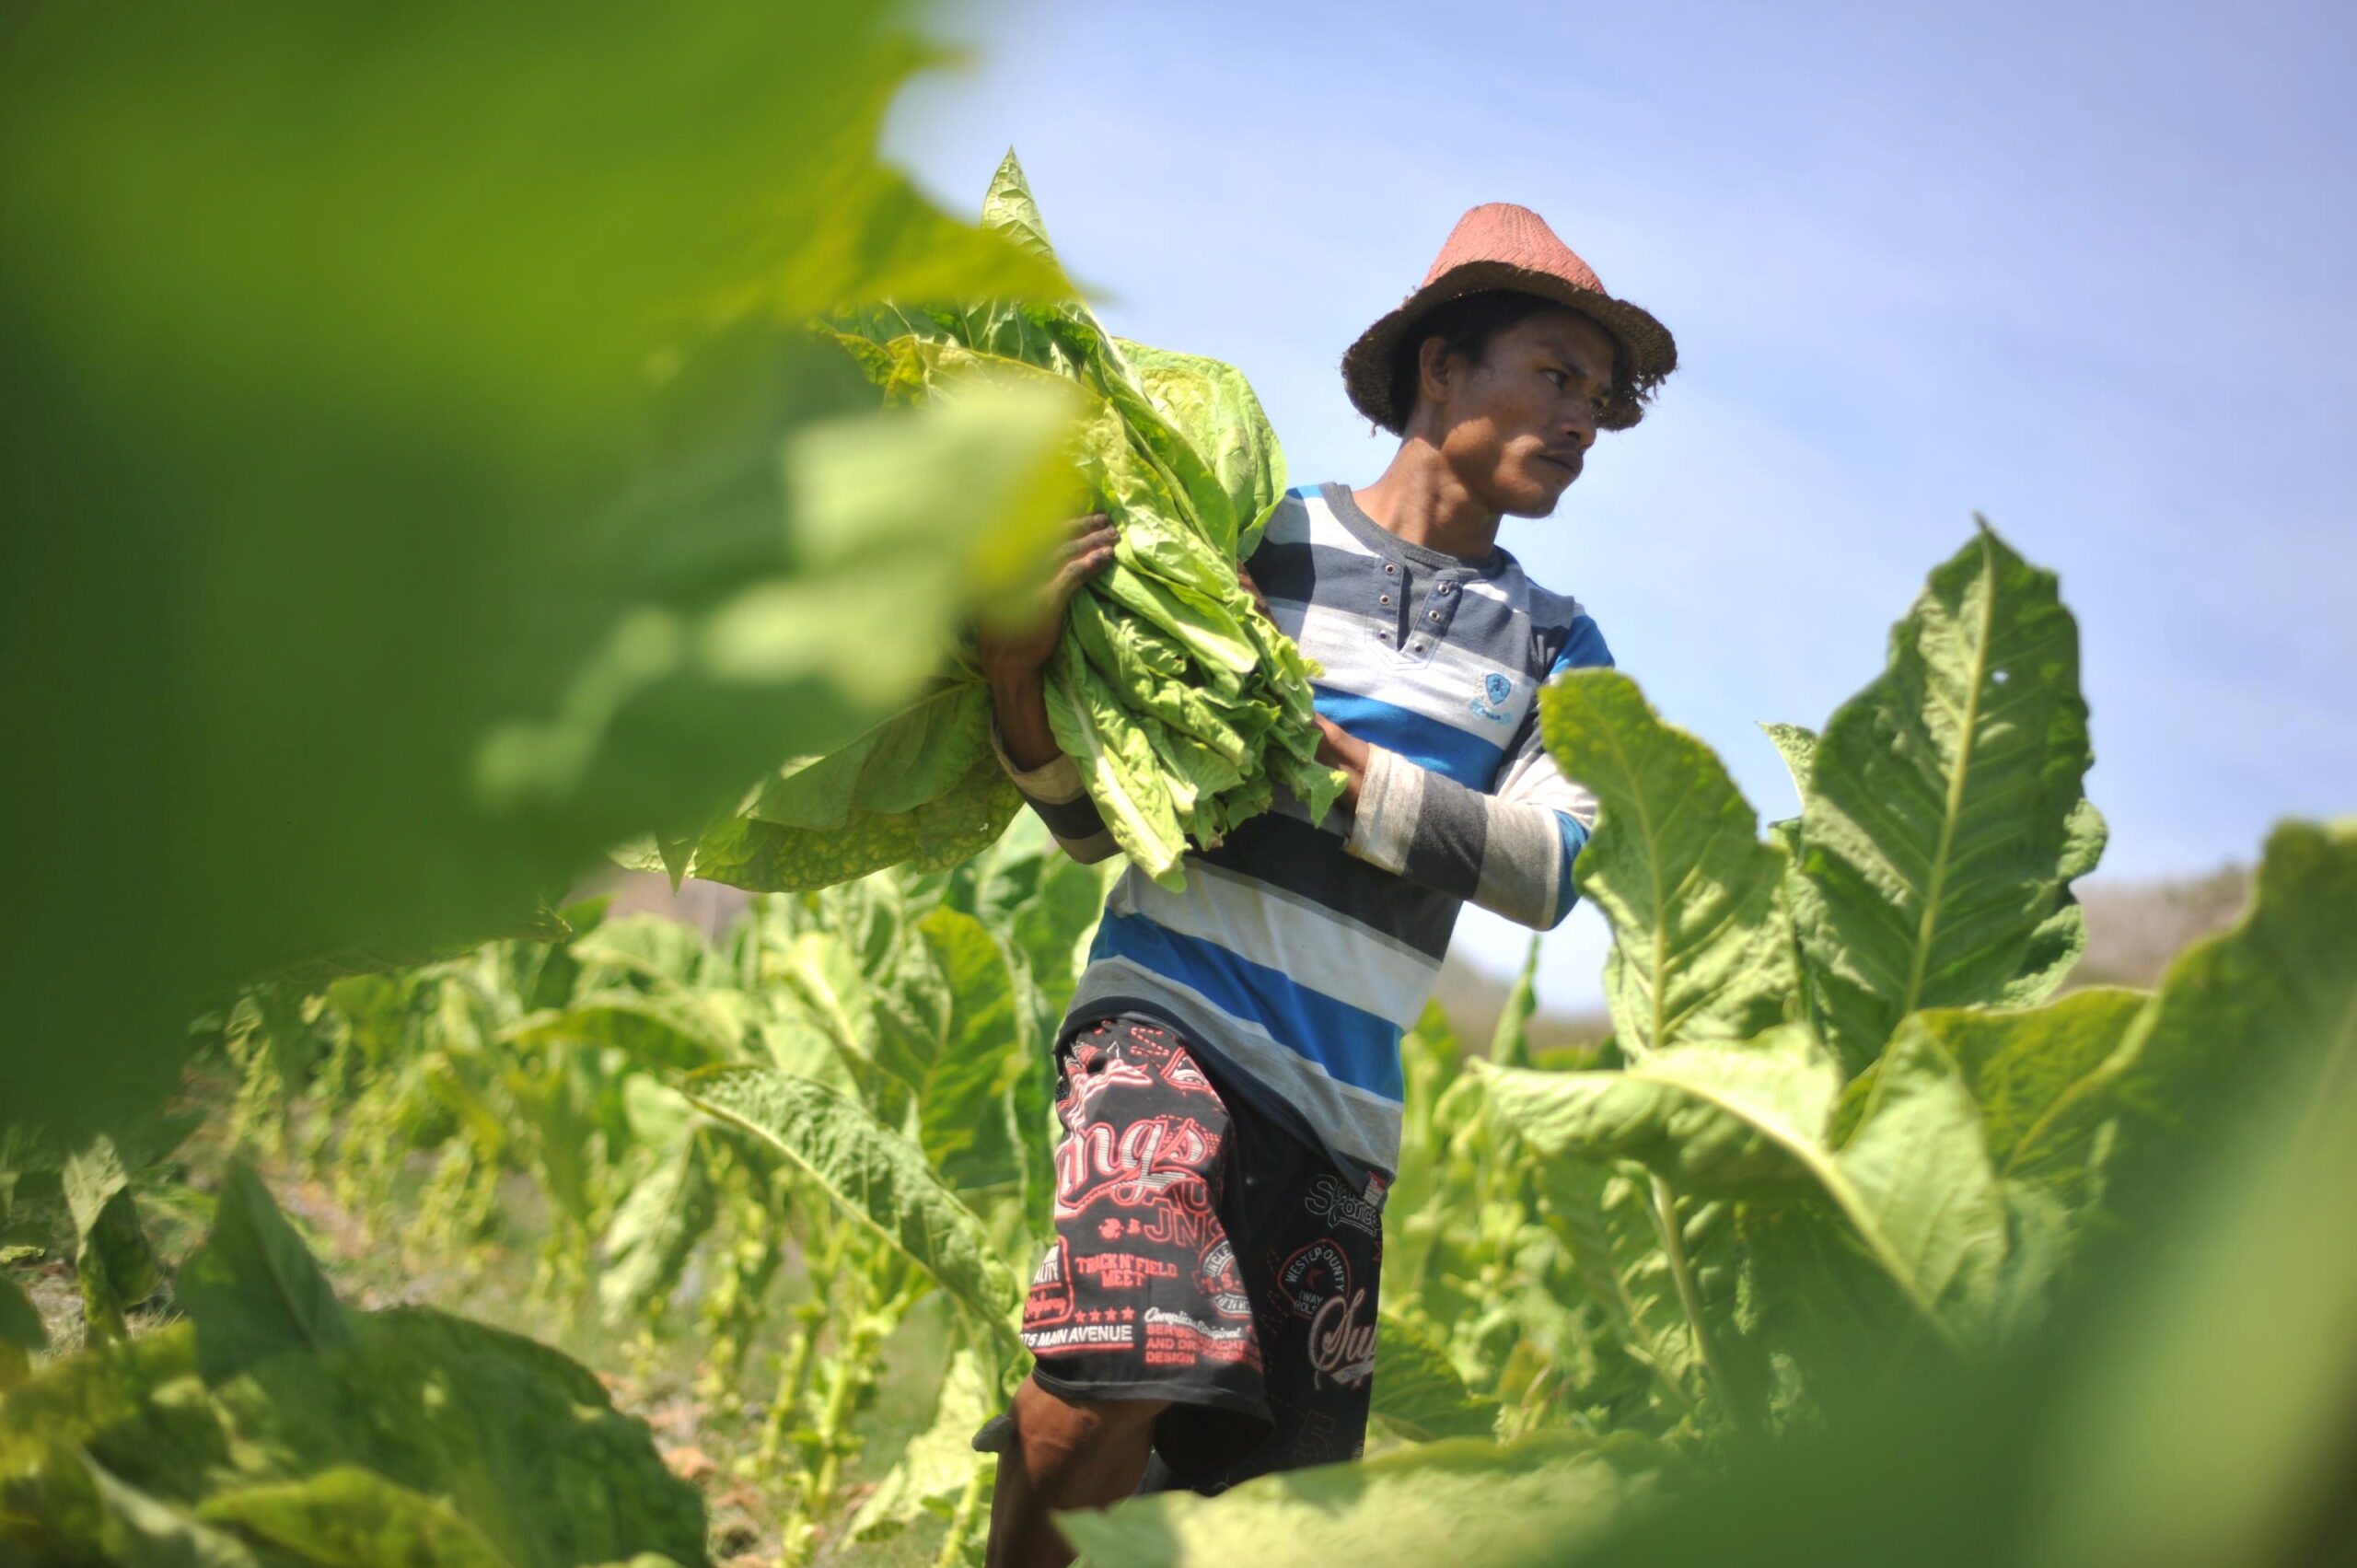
(1063, 1454)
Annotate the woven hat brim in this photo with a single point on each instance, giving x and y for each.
(1647, 351)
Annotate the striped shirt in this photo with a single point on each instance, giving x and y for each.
(1299, 952)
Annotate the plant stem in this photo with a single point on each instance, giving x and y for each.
(794, 1381)
(1673, 1246)
(961, 1521)
(787, 1402)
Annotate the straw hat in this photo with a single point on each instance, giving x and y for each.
(1501, 246)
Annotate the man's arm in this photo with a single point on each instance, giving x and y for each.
(1014, 660)
(1511, 852)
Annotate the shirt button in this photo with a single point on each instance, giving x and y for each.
(1431, 615)
(1385, 599)
(1390, 570)
(1448, 587)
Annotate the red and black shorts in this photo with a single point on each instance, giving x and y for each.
(1204, 1255)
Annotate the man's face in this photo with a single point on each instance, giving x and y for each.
(1515, 428)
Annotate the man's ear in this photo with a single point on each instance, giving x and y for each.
(1437, 370)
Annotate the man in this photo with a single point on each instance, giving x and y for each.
(1228, 1074)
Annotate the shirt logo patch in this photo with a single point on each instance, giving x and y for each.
(1497, 688)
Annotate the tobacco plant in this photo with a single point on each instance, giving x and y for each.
(837, 1110)
(1850, 1139)
(1848, 1136)
(272, 1425)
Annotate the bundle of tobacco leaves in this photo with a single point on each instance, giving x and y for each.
(1183, 705)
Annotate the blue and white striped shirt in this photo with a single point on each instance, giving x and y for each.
(1298, 952)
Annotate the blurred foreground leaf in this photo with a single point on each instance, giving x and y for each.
(1513, 1506)
(418, 477)
(278, 1427)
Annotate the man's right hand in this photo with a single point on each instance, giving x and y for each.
(1014, 653)
(1018, 648)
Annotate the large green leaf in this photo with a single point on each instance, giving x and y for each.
(2267, 1008)
(253, 1290)
(2190, 1407)
(922, 790)
(143, 1531)
(1008, 209)
(1917, 1185)
(1115, 761)
(938, 1462)
(831, 987)
(2060, 939)
(510, 1436)
(1965, 1165)
(2039, 1080)
(669, 1209)
(1607, 1217)
(1700, 945)
(2248, 1317)
(352, 1517)
(1214, 408)
(1732, 1119)
(1510, 1039)
(2028, 1069)
(1755, 1120)
(949, 1029)
(1417, 1392)
(1516, 1505)
(498, 521)
(1942, 819)
(679, 1030)
(1796, 744)
(649, 950)
(817, 651)
(879, 1178)
(521, 1440)
(113, 1264)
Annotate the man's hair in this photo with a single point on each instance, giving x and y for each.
(1466, 325)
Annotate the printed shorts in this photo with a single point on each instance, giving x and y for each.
(1204, 1255)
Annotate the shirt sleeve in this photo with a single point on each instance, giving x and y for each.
(1510, 852)
(1053, 791)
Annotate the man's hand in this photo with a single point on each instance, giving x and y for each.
(1014, 654)
(1020, 646)
(1338, 748)
(1259, 601)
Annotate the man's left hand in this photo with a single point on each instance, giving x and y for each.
(1338, 748)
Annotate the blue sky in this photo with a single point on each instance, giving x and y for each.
(2084, 269)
